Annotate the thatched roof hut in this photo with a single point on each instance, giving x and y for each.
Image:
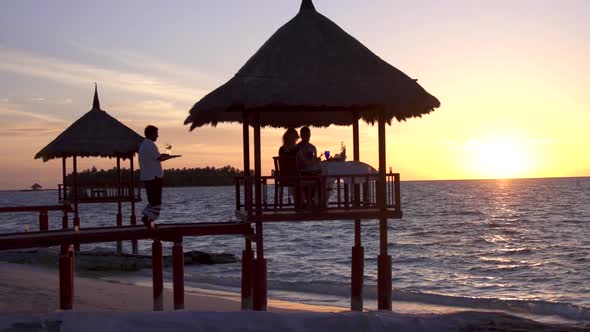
(311, 72)
(96, 134)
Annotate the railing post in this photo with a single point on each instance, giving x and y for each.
(43, 220)
(397, 193)
(157, 275)
(64, 218)
(66, 278)
(178, 275)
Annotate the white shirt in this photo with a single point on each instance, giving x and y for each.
(150, 166)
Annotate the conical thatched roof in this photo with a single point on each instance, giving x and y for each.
(96, 134)
(311, 72)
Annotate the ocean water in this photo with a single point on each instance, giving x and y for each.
(515, 245)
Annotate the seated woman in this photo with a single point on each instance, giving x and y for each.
(290, 147)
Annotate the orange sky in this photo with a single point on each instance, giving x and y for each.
(512, 80)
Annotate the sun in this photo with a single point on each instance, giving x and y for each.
(501, 158)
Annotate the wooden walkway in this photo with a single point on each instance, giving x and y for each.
(168, 232)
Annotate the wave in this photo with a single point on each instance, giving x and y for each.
(317, 289)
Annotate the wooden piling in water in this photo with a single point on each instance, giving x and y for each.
(43, 220)
(247, 257)
(178, 275)
(158, 275)
(66, 278)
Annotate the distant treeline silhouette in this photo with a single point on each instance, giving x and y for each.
(186, 177)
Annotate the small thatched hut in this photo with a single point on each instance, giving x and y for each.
(96, 134)
(308, 73)
(313, 73)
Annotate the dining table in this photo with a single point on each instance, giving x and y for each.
(348, 172)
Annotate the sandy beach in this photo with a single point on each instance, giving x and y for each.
(34, 290)
(29, 301)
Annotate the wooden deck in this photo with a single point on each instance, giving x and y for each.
(169, 232)
(313, 215)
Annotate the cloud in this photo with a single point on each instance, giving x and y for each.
(58, 70)
(146, 63)
(161, 111)
(31, 115)
(29, 132)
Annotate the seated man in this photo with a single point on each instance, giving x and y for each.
(308, 162)
(307, 157)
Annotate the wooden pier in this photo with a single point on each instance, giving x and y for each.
(175, 233)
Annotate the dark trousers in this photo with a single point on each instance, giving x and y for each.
(153, 189)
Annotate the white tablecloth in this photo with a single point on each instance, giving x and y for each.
(340, 168)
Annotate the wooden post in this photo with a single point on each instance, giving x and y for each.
(63, 174)
(178, 275)
(64, 219)
(384, 260)
(257, 165)
(75, 184)
(246, 150)
(119, 213)
(66, 279)
(43, 220)
(260, 286)
(397, 193)
(247, 256)
(358, 252)
(134, 247)
(158, 275)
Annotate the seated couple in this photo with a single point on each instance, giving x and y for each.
(300, 159)
(304, 152)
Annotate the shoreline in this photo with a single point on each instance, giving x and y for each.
(32, 291)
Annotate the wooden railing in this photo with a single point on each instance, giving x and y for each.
(99, 193)
(348, 192)
(43, 213)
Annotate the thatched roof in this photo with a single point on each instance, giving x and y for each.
(96, 134)
(311, 72)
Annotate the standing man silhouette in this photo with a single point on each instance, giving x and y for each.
(150, 164)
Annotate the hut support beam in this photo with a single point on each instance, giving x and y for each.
(75, 184)
(119, 213)
(358, 252)
(133, 219)
(64, 220)
(260, 286)
(247, 254)
(384, 260)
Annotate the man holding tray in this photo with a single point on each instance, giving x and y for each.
(150, 164)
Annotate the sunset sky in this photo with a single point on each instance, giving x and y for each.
(512, 76)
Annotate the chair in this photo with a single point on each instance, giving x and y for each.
(287, 174)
